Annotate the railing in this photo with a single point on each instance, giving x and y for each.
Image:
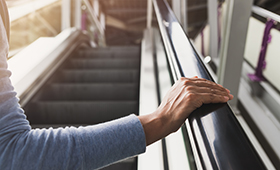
(216, 137)
(265, 13)
(261, 52)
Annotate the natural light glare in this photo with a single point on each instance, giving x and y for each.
(22, 10)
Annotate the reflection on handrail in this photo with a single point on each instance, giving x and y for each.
(265, 13)
(216, 136)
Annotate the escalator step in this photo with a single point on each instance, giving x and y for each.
(91, 76)
(92, 86)
(128, 164)
(104, 64)
(116, 49)
(76, 112)
(96, 91)
(108, 54)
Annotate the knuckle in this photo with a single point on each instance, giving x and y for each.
(189, 88)
(207, 84)
(214, 91)
(210, 82)
(186, 82)
(191, 96)
(212, 96)
(182, 78)
(197, 104)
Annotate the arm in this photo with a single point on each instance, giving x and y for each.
(88, 147)
(70, 148)
(185, 96)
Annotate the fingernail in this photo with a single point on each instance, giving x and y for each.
(231, 96)
(228, 90)
(226, 98)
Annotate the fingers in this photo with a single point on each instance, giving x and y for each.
(210, 91)
(207, 98)
(210, 84)
(185, 96)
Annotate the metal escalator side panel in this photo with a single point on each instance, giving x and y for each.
(148, 103)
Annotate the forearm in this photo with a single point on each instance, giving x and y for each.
(70, 148)
(153, 127)
(88, 147)
(157, 126)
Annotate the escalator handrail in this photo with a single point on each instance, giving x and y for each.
(219, 140)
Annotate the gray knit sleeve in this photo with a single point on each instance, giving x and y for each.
(88, 147)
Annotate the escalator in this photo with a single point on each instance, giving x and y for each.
(95, 85)
(91, 86)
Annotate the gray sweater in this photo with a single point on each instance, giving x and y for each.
(88, 147)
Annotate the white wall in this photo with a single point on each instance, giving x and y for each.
(253, 47)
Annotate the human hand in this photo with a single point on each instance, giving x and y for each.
(186, 95)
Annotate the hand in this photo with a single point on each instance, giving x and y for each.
(186, 95)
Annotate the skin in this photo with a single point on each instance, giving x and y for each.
(186, 95)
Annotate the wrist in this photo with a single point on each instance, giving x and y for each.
(154, 127)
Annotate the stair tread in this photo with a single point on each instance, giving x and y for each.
(99, 75)
(91, 91)
(109, 54)
(114, 48)
(79, 112)
(92, 86)
(100, 70)
(128, 164)
(82, 63)
(110, 60)
(86, 102)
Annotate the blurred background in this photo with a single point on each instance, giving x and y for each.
(64, 52)
(124, 20)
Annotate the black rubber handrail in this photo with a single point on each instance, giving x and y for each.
(219, 140)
